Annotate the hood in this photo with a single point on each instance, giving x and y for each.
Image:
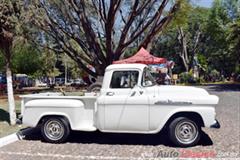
(181, 90)
(192, 95)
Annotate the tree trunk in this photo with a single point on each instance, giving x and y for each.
(184, 53)
(11, 102)
(186, 66)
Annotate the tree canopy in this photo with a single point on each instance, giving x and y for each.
(211, 34)
(99, 30)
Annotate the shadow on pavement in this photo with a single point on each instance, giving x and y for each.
(4, 116)
(223, 87)
(98, 137)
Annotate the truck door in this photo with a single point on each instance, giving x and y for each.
(126, 106)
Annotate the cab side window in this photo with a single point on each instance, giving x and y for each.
(124, 79)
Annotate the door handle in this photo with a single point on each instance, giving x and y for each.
(133, 94)
(109, 93)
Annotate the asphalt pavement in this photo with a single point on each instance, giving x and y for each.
(215, 143)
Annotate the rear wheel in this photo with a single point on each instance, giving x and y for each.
(55, 129)
(184, 132)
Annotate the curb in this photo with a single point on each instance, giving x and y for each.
(16, 136)
(9, 139)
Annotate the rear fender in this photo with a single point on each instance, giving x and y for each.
(72, 109)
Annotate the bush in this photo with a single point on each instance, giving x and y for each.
(185, 77)
(201, 80)
(237, 77)
(214, 76)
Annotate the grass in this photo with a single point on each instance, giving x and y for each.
(5, 127)
(79, 93)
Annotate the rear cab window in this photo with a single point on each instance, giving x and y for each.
(124, 79)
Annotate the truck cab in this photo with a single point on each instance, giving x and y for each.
(125, 90)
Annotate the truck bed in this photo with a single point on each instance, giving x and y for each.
(80, 106)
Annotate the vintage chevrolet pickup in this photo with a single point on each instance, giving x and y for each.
(129, 102)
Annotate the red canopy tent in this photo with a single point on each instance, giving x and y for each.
(142, 56)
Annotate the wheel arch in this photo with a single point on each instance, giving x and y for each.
(51, 115)
(194, 116)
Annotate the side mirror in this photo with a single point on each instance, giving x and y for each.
(147, 83)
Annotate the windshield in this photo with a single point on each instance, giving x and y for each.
(147, 78)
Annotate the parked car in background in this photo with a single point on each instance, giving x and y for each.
(41, 84)
(3, 83)
(69, 82)
(21, 80)
(59, 81)
(78, 83)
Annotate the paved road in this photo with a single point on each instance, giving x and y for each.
(223, 142)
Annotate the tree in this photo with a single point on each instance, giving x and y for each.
(26, 58)
(48, 65)
(29, 59)
(232, 8)
(70, 67)
(191, 36)
(9, 21)
(102, 30)
(211, 35)
(1, 63)
(233, 11)
(217, 49)
(234, 38)
(185, 38)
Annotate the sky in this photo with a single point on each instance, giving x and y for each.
(203, 3)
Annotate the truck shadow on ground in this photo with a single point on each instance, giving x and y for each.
(98, 137)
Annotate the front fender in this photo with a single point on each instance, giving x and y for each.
(207, 114)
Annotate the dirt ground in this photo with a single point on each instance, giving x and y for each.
(5, 128)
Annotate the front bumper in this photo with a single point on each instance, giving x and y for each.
(215, 125)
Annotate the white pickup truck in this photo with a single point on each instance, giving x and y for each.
(129, 102)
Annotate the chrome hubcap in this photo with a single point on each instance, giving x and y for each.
(186, 132)
(54, 130)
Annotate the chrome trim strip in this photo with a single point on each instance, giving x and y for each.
(169, 102)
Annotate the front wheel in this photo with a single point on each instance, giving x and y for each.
(55, 129)
(184, 132)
